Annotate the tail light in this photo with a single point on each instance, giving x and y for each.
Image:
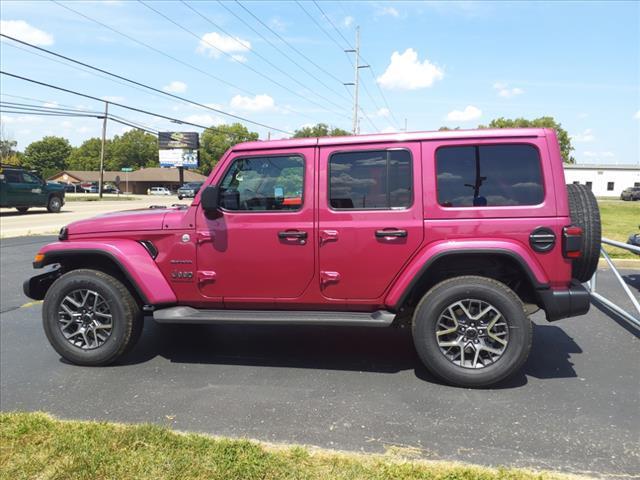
(572, 242)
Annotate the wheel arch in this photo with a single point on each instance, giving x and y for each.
(129, 262)
(500, 263)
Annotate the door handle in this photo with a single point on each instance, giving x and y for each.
(391, 233)
(293, 234)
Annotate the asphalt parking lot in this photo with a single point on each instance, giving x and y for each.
(575, 407)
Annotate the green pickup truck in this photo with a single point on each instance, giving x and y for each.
(22, 190)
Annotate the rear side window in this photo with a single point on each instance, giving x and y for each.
(12, 176)
(489, 176)
(366, 180)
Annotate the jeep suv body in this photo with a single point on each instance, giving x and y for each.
(459, 235)
(22, 189)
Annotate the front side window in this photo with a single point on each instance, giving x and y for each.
(263, 184)
(30, 178)
(366, 180)
(489, 176)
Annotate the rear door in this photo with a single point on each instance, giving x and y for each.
(370, 217)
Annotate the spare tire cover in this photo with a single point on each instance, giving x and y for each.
(584, 212)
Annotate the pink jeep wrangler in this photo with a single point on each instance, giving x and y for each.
(461, 235)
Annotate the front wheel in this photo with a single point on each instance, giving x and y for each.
(90, 318)
(54, 205)
(472, 331)
(180, 197)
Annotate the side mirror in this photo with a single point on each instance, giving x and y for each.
(209, 199)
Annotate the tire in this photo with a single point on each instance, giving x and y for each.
(180, 197)
(584, 212)
(54, 204)
(22, 209)
(126, 318)
(513, 321)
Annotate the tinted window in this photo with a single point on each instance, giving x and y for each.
(30, 178)
(369, 180)
(489, 175)
(12, 176)
(263, 183)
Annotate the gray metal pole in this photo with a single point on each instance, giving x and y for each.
(104, 135)
(357, 81)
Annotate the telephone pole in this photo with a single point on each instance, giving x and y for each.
(356, 83)
(104, 135)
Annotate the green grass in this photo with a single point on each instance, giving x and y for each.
(619, 220)
(95, 198)
(35, 445)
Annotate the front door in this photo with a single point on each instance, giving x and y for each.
(259, 246)
(370, 217)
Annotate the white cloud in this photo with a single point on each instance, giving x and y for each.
(466, 115)
(50, 104)
(239, 58)
(383, 112)
(175, 87)
(213, 44)
(387, 11)
(25, 32)
(584, 137)
(637, 115)
(405, 72)
(204, 119)
(506, 92)
(278, 24)
(389, 129)
(258, 103)
(348, 21)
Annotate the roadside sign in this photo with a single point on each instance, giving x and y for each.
(126, 169)
(179, 157)
(188, 140)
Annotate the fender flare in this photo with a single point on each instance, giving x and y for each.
(425, 259)
(129, 256)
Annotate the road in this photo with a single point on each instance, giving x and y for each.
(39, 221)
(575, 407)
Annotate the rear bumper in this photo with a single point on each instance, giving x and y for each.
(565, 303)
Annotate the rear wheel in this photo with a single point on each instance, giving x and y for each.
(472, 331)
(90, 318)
(22, 209)
(584, 212)
(55, 204)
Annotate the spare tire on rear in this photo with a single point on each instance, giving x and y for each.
(584, 212)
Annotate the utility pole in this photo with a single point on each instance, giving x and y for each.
(104, 135)
(356, 83)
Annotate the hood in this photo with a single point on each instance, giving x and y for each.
(130, 220)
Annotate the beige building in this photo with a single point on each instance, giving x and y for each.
(137, 181)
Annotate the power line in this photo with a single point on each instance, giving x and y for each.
(106, 72)
(311, 61)
(233, 58)
(135, 109)
(215, 25)
(55, 110)
(364, 85)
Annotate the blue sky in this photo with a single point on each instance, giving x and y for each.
(437, 63)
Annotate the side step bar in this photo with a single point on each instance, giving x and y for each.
(183, 314)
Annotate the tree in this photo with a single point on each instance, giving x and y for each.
(7, 148)
(320, 130)
(134, 148)
(214, 141)
(87, 155)
(47, 156)
(543, 122)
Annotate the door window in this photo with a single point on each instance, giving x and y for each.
(12, 176)
(264, 184)
(371, 180)
(30, 178)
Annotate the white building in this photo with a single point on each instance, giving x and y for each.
(604, 180)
